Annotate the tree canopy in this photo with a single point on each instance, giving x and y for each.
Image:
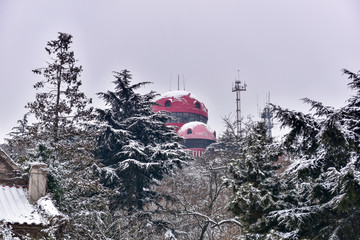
(135, 148)
(318, 195)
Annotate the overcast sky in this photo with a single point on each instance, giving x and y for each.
(290, 48)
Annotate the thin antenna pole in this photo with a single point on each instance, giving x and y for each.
(238, 88)
(257, 104)
(178, 82)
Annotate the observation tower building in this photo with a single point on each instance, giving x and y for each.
(191, 117)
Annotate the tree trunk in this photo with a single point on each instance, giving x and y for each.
(57, 107)
(203, 231)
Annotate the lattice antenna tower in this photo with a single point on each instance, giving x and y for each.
(267, 116)
(238, 88)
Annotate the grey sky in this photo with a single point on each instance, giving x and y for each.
(292, 48)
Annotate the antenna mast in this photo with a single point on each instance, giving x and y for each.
(267, 115)
(238, 88)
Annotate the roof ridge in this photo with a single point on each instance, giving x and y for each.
(7, 159)
(14, 185)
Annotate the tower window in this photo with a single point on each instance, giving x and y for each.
(197, 105)
(198, 143)
(185, 117)
(189, 131)
(168, 103)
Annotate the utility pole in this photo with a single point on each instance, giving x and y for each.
(238, 88)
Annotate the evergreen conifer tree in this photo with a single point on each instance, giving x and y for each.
(135, 148)
(61, 136)
(254, 181)
(62, 107)
(322, 191)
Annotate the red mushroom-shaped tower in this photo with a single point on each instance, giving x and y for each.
(190, 114)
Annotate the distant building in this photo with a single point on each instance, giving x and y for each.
(190, 119)
(23, 205)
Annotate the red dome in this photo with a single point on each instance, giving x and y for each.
(198, 136)
(181, 101)
(183, 106)
(197, 130)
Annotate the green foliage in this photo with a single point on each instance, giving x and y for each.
(59, 109)
(323, 184)
(318, 195)
(60, 136)
(136, 149)
(254, 182)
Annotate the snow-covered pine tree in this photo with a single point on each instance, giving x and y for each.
(227, 145)
(19, 141)
(135, 148)
(352, 109)
(62, 107)
(322, 192)
(253, 178)
(58, 133)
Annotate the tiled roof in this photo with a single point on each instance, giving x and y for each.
(15, 207)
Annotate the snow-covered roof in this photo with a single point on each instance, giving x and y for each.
(195, 124)
(181, 101)
(177, 94)
(47, 206)
(199, 130)
(15, 207)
